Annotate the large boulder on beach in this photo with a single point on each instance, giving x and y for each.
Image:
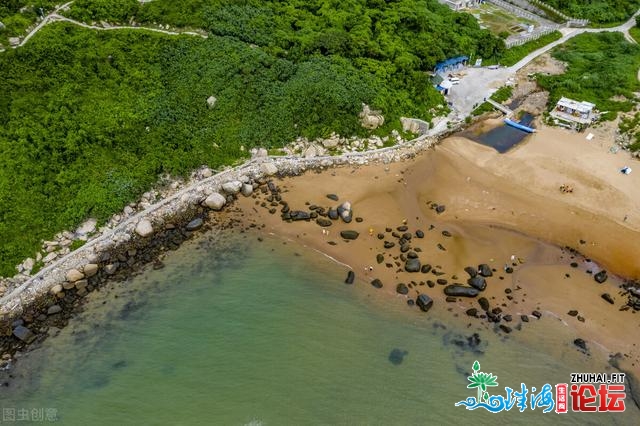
(376, 283)
(268, 169)
(74, 275)
(477, 282)
(232, 187)
(215, 201)
(349, 235)
(333, 214)
(460, 291)
(424, 302)
(412, 265)
(144, 228)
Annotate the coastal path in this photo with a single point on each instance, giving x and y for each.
(55, 16)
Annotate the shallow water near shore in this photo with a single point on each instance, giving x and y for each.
(236, 331)
(502, 138)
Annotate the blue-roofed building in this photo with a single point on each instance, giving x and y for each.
(451, 64)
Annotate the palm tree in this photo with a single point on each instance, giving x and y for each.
(481, 381)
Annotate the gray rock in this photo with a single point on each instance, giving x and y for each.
(194, 224)
(74, 275)
(87, 227)
(485, 270)
(608, 298)
(268, 169)
(323, 222)
(90, 269)
(56, 289)
(215, 201)
(477, 282)
(110, 269)
(232, 187)
(581, 344)
(299, 215)
(402, 289)
(54, 309)
(333, 197)
(600, 277)
(376, 283)
(460, 291)
(351, 276)
(247, 189)
(349, 235)
(424, 302)
(144, 228)
(211, 101)
(24, 334)
(412, 265)
(484, 303)
(471, 271)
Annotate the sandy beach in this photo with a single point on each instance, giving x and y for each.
(501, 209)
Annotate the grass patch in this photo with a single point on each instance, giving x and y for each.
(500, 96)
(597, 11)
(635, 33)
(601, 66)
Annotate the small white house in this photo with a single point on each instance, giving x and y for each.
(574, 114)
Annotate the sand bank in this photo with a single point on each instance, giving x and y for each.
(497, 206)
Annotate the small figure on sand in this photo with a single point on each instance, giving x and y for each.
(566, 189)
(371, 232)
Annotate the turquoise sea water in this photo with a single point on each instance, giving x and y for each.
(243, 332)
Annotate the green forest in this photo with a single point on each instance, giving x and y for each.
(18, 15)
(597, 11)
(90, 119)
(601, 66)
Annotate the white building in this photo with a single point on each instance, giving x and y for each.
(574, 114)
(461, 4)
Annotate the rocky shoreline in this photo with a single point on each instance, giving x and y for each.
(45, 302)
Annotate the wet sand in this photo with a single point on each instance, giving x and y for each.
(497, 206)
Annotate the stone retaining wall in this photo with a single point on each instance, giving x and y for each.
(57, 274)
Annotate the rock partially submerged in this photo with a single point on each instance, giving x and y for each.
(424, 302)
(351, 276)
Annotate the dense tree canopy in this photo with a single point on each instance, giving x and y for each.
(90, 119)
(597, 11)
